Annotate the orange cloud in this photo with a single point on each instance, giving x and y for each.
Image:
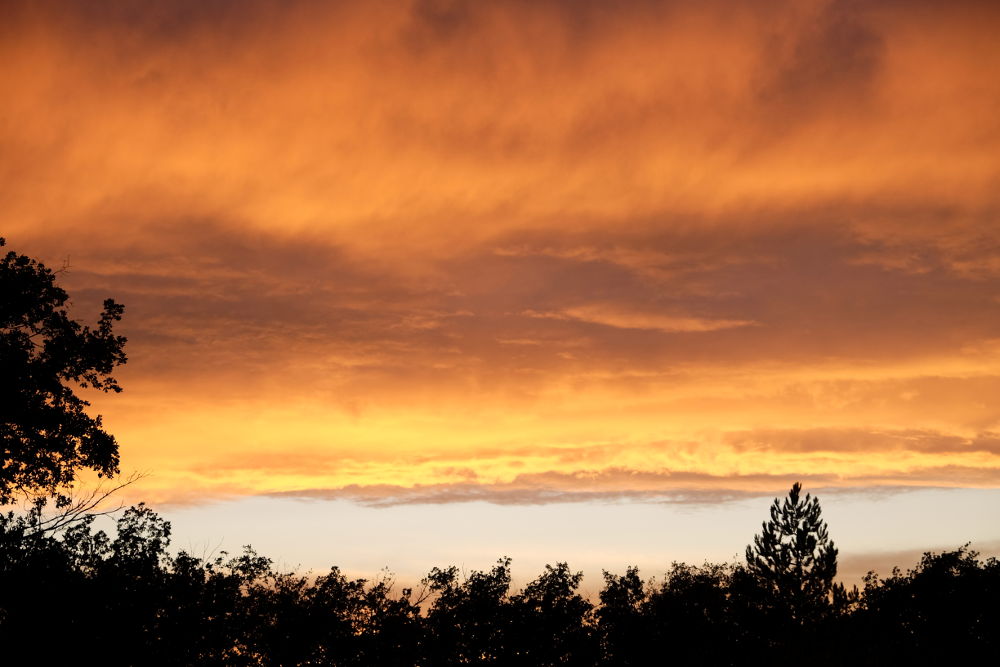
(430, 249)
(612, 316)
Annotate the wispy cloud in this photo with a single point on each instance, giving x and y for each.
(612, 316)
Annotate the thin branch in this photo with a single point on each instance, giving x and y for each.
(81, 507)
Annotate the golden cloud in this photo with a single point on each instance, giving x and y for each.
(368, 246)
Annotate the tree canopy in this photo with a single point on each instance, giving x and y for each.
(127, 591)
(793, 555)
(46, 434)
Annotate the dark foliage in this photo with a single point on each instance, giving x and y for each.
(553, 622)
(622, 620)
(942, 610)
(471, 620)
(794, 557)
(125, 600)
(45, 433)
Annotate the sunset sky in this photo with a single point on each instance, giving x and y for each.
(419, 283)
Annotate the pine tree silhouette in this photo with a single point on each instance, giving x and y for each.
(794, 556)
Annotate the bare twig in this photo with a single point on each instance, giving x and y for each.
(80, 507)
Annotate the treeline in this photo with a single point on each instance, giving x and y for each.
(83, 595)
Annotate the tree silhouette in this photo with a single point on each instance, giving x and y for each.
(621, 622)
(943, 610)
(127, 591)
(470, 621)
(794, 556)
(45, 433)
(553, 621)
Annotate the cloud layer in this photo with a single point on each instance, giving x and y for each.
(521, 251)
